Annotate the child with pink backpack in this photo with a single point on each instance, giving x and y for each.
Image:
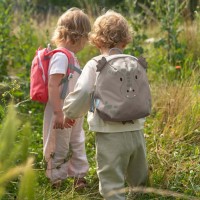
(114, 88)
(64, 145)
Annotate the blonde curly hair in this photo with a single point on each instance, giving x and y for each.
(72, 25)
(109, 30)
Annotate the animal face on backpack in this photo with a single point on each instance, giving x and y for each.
(127, 76)
(122, 89)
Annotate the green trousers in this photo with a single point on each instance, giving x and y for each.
(121, 157)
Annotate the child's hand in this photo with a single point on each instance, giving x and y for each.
(58, 120)
(68, 123)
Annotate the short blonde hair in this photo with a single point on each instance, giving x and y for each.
(109, 30)
(72, 25)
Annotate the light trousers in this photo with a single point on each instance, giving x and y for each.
(64, 152)
(120, 157)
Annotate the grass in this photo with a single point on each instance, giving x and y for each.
(172, 131)
(173, 142)
(173, 148)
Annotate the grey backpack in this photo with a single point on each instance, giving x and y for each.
(122, 90)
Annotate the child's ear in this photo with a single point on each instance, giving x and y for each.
(123, 45)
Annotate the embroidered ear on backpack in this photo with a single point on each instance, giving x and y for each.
(101, 64)
(142, 62)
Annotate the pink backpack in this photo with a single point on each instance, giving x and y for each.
(39, 73)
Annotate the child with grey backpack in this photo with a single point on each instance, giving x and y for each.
(114, 88)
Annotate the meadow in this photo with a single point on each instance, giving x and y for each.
(167, 38)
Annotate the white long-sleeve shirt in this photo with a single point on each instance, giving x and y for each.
(78, 102)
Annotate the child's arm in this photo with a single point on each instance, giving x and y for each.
(55, 100)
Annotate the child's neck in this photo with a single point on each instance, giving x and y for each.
(110, 51)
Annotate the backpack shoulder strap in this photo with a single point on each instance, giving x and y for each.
(66, 52)
(71, 68)
(71, 64)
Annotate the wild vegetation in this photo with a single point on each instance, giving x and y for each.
(167, 34)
